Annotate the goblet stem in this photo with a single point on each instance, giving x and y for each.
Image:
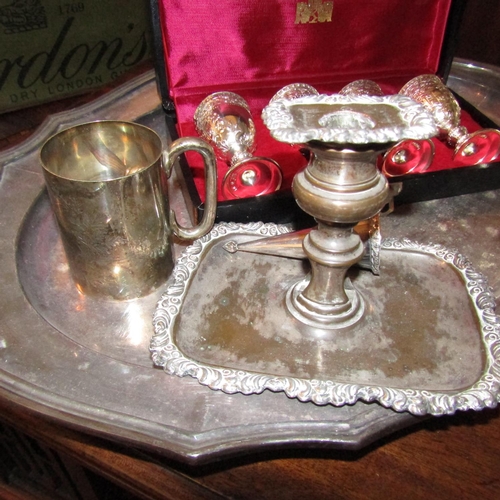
(482, 146)
(239, 157)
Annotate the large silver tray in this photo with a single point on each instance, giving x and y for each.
(102, 379)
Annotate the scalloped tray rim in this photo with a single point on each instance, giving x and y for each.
(485, 392)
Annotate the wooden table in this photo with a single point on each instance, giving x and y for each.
(447, 457)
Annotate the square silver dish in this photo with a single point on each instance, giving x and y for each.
(429, 344)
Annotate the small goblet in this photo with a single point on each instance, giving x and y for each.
(294, 91)
(469, 149)
(224, 119)
(406, 156)
(362, 87)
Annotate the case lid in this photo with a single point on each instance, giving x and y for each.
(266, 44)
(256, 47)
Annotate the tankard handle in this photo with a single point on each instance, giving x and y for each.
(177, 148)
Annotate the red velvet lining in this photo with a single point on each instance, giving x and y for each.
(255, 47)
(238, 44)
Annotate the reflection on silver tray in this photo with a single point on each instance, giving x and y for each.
(430, 345)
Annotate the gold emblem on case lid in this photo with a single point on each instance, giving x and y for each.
(314, 11)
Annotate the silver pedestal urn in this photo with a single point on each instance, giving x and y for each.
(340, 186)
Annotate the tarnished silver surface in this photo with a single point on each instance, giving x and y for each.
(340, 186)
(103, 326)
(234, 344)
(348, 120)
(107, 181)
(101, 380)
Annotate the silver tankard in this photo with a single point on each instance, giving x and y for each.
(107, 183)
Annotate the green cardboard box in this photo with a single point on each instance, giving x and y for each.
(51, 49)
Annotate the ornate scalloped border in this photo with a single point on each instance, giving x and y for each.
(484, 393)
(418, 122)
